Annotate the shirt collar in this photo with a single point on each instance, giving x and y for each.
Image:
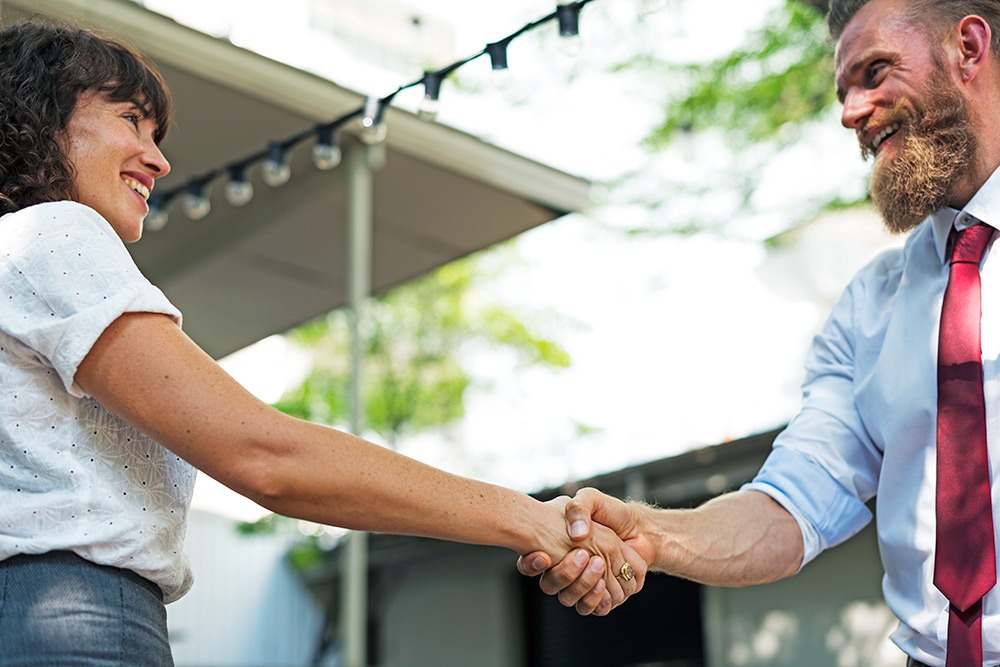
(980, 209)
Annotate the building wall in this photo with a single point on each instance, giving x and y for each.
(456, 605)
(831, 614)
(458, 609)
(460, 606)
(247, 608)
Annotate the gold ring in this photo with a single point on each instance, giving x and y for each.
(626, 572)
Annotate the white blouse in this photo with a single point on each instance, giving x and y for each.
(73, 476)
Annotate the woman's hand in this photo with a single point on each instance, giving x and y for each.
(737, 539)
(593, 578)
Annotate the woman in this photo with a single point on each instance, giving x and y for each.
(109, 407)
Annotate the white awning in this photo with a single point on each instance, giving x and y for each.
(241, 274)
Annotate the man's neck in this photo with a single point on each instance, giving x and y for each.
(967, 188)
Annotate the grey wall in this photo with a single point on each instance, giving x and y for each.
(457, 610)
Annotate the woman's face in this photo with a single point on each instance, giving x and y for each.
(116, 161)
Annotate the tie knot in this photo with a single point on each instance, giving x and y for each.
(969, 244)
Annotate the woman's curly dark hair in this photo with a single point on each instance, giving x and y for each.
(43, 71)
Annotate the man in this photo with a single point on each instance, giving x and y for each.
(890, 408)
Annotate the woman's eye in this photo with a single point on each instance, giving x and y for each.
(132, 118)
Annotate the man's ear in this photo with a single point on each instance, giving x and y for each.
(974, 38)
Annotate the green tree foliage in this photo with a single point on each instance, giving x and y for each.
(738, 119)
(781, 77)
(414, 378)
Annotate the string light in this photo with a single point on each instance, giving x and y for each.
(276, 170)
(497, 51)
(238, 189)
(157, 217)
(568, 16)
(430, 105)
(196, 204)
(326, 153)
(372, 129)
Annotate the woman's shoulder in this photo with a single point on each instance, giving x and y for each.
(55, 213)
(55, 224)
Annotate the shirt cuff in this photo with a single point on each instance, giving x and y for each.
(826, 512)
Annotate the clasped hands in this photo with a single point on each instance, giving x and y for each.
(591, 578)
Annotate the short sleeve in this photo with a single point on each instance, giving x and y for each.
(64, 277)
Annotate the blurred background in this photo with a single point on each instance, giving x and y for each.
(601, 265)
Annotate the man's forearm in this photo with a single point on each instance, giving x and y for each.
(738, 539)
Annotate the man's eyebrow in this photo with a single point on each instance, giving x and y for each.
(858, 64)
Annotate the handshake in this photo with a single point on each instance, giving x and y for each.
(609, 561)
(607, 546)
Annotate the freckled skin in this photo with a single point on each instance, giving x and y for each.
(106, 142)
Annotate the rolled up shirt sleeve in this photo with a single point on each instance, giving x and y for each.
(824, 467)
(65, 277)
(826, 512)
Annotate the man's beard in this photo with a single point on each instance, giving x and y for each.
(937, 150)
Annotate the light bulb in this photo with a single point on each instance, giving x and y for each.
(238, 192)
(156, 219)
(497, 52)
(195, 204)
(373, 130)
(428, 109)
(326, 156)
(429, 105)
(375, 134)
(275, 174)
(568, 15)
(326, 153)
(276, 171)
(571, 45)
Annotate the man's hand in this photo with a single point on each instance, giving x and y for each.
(577, 578)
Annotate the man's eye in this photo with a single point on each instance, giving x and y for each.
(874, 72)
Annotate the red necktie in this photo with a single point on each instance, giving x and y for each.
(964, 560)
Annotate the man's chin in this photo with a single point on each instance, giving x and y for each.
(897, 217)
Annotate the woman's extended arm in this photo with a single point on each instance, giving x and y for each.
(144, 369)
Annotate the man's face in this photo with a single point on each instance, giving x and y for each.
(937, 149)
(907, 112)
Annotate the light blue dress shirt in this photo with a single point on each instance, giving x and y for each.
(867, 423)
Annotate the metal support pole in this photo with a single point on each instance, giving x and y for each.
(354, 570)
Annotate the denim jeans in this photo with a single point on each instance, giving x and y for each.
(59, 609)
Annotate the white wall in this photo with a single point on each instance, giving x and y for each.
(247, 609)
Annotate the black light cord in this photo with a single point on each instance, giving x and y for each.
(326, 154)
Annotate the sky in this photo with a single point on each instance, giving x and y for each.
(677, 342)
